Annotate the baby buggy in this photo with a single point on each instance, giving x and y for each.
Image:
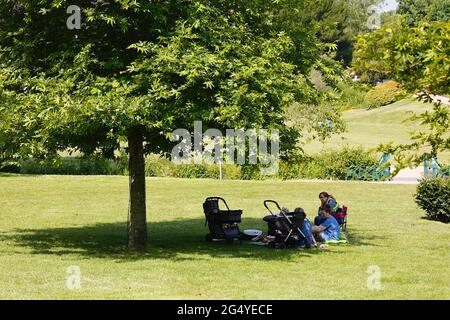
(222, 224)
(285, 227)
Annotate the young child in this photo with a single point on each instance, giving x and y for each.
(329, 227)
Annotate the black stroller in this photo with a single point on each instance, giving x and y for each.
(222, 224)
(285, 227)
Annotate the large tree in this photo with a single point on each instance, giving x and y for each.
(137, 70)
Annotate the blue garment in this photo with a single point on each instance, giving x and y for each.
(319, 219)
(334, 207)
(332, 230)
(307, 231)
(332, 203)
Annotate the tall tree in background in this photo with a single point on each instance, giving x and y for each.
(419, 58)
(424, 10)
(137, 70)
(338, 22)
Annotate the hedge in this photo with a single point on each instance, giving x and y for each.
(326, 165)
(433, 196)
(383, 94)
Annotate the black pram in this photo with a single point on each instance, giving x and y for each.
(222, 224)
(285, 226)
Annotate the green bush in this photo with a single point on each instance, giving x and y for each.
(229, 171)
(334, 164)
(212, 171)
(326, 165)
(191, 171)
(156, 166)
(71, 166)
(293, 170)
(445, 169)
(433, 196)
(10, 167)
(383, 94)
(352, 95)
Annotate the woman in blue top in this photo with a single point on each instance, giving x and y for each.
(326, 199)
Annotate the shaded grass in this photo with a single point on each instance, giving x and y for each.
(49, 223)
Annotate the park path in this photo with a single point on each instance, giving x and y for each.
(408, 176)
(437, 98)
(443, 99)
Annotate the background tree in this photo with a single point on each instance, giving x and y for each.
(439, 10)
(419, 58)
(424, 10)
(415, 10)
(136, 70)
(338, 22)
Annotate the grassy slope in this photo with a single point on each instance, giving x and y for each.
(49, 223)
(369, 128)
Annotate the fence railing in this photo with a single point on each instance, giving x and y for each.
(379, 172)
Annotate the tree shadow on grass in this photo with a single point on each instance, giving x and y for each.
(175, 240)
(361, 238)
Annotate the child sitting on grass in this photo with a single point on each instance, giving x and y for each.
(329, 227)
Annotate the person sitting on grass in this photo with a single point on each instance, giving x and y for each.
(329, 228)
(326, 199)
(306, 229)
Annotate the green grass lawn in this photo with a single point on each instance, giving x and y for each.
(49, 223)
(369, 128)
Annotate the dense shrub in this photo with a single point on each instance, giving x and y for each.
(337, 163)
(206, 171)
(433, 196)
(229, 171)
(72, 166)
(445, 169)
(333, 164)
(383, 94)
(156, 166)
(191, 171)
(345, 93)
(9, 167)
(6, 165)
(326, 165)
(352, 96)
(294, 170)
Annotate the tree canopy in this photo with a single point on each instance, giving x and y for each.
(137, 70)
(424, 10)
(419, 58)
(337, 22)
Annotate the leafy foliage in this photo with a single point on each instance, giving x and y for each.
(352, 95)
(424, 10)
(229, 64)
(433, 196)
(418, 58)
(383, 94)
(72, 166)
(337, 22)
(334, 164)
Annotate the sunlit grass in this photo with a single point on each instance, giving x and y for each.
(49, 223)
(369, 128)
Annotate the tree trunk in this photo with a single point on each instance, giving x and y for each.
(137, 220)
